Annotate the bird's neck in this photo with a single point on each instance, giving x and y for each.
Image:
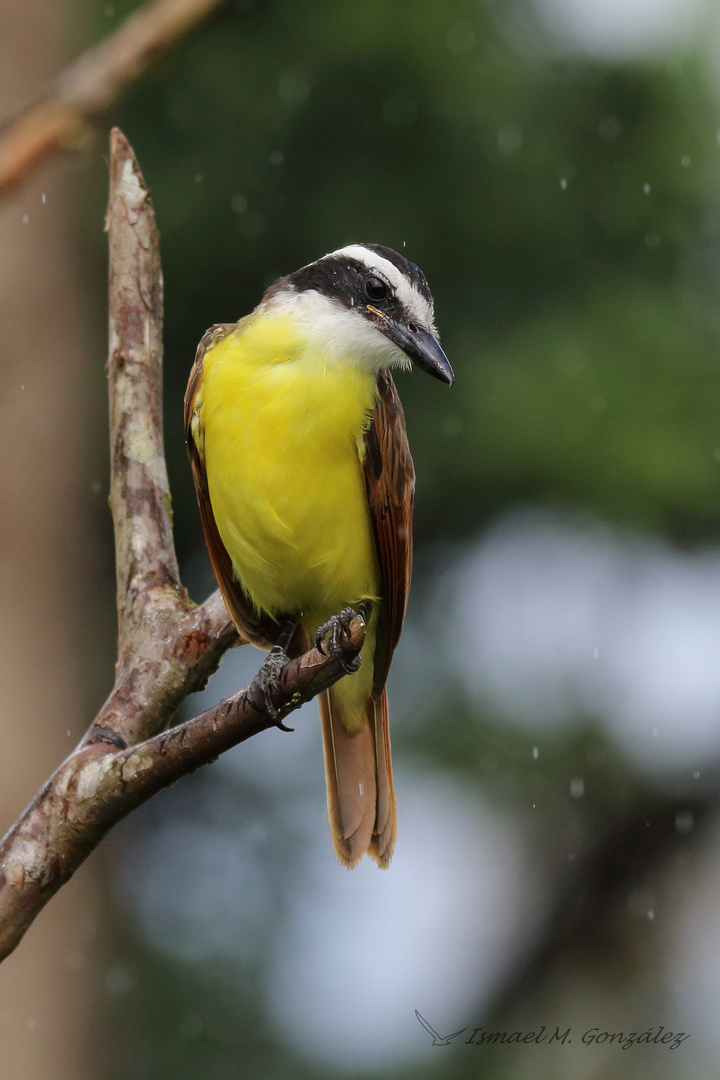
(275, 371)
(330, 333)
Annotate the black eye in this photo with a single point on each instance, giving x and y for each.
(376, 289)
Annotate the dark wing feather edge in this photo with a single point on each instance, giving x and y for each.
(390, 486)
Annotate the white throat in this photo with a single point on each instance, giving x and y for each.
(336, 334)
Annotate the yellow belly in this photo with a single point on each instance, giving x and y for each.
(282, 441)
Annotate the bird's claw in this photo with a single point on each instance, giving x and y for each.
(265, 684)
(336, 627)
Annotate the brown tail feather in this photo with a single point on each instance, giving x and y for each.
(382, 843)
(358, 774)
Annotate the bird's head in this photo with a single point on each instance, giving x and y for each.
(367, 304)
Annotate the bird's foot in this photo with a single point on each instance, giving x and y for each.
(338, 626)
(287, 633)
(267, 681)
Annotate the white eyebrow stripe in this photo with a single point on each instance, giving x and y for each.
(371, 260)
(414, 302)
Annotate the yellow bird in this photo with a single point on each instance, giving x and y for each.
(305, 484)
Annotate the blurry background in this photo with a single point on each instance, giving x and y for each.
(554, 167)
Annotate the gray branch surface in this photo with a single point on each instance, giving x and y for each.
(167, 646)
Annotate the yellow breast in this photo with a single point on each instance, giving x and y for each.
(282, 443)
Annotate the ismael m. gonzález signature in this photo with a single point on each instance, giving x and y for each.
(594, 1036)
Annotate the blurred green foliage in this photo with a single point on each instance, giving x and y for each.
(565, 213)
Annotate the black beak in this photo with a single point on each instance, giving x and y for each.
(419, 346)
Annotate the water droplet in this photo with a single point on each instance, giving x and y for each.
(293, 89)
(191, 1027)
(400, 109)
(452, 426)
(509, 141)
(252, 225)
(609, 128)
(460, 38)
(641, 902)
(118, 980)
(74, 960)
(596, 756)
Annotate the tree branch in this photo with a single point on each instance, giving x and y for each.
(98, 784)
(167, 647)
(88, 87)
(139, 488)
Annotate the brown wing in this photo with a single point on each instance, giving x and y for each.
(260, 630)
(390, 486)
